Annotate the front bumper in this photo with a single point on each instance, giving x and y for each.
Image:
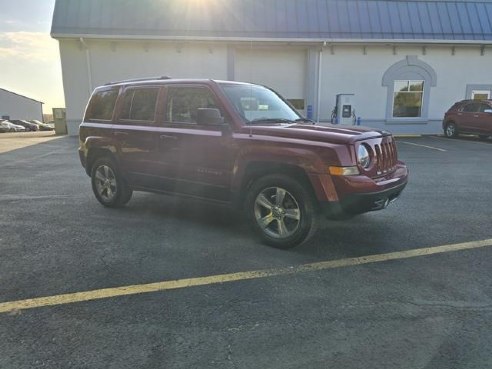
(360, 194)
(359, 203)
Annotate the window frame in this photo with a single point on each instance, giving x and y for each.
(408, 91)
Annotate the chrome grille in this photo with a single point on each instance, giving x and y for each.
(386, 156)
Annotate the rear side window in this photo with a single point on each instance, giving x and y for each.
(139, 104)
(101, 105)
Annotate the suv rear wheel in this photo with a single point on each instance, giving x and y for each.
(281, 211)
(450, 130)
(109, 186)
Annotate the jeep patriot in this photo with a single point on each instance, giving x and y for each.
(238, 144)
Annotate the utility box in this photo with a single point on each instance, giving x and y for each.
(60, 119)
(344, 110)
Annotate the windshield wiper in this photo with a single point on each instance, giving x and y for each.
(305, 120)
(270, 120)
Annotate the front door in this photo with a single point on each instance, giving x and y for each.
(468, 117)
(483, 124)
(196, 160)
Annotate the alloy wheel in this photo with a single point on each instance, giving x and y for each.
(105, 182)
(277, 212)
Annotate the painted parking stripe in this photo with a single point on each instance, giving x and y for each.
(427, 147)
(69, 298)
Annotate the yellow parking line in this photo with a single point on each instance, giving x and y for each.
(105, 293)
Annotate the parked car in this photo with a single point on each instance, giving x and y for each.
(27, 125)
(11, 126)
(237, 144)
(42, 126)
(469, 116)
(4, 128)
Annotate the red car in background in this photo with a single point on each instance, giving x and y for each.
(469, 116)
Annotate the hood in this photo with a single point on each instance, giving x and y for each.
(323, 133)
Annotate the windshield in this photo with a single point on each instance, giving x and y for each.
(259, 104)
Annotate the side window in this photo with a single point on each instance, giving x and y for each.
(101, 105)
(471, 108)
(139, 104)
(183, 103)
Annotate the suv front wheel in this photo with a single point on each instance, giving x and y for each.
(281, 211)
(109, 186)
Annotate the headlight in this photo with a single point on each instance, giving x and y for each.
(363, 157)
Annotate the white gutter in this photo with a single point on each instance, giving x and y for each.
(269, 39)
(88, 61)
(318, 103)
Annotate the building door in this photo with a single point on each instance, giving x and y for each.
(282, 69)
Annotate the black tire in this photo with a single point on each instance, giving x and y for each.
(108, 185)
(483, 137)
(282, 211)
(450, 130)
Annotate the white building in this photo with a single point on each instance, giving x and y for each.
(406, 62)
(15, 106)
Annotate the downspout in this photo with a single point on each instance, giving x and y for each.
(88, 61)
(320, 59)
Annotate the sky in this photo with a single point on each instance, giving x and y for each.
(29, 57)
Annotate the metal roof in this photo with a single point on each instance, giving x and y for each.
(19, 95)
(353, 20)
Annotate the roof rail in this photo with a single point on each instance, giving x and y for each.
(137, 80)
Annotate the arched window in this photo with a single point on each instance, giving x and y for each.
(409, 84)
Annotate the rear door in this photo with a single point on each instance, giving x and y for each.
(135, 133)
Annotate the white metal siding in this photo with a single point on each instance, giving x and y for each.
(19, 107)
(114, 61)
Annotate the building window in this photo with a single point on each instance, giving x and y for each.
(297, 103)
(408, 98)
(480, 94)
(409, 84)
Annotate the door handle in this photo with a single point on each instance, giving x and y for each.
(475, 115)
(120, 133)
(168, 137)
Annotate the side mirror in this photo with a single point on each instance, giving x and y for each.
(488, 111)
(209, 116)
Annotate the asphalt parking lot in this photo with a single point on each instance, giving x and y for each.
(167, 283)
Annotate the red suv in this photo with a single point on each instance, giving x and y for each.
(469, 116)
(239, 144)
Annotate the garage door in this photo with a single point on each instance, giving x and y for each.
(284, 70)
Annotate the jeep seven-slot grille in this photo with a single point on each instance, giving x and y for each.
(386, 157)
